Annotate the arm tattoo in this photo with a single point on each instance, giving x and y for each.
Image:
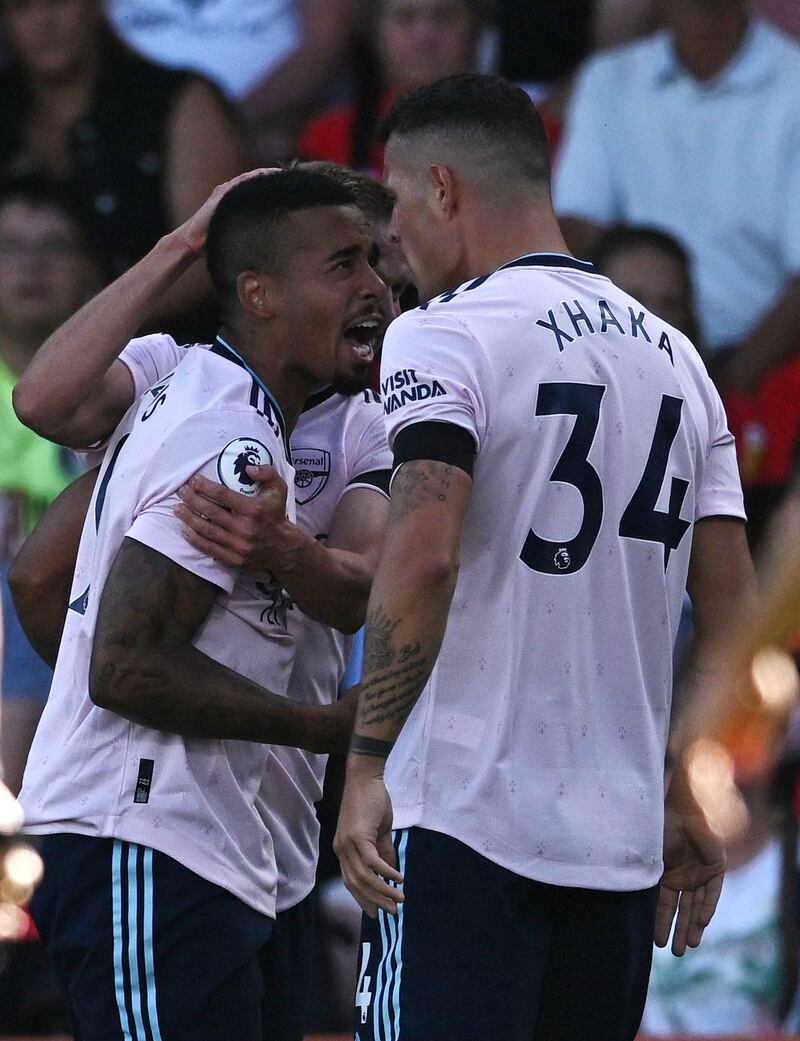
(146, 668)
(378, 651)
(418, 483)
(393, 676)
(149, 604)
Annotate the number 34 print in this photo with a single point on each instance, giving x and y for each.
(641, 519)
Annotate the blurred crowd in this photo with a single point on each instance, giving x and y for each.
(675, 131)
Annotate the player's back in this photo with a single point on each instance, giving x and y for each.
(540, 737)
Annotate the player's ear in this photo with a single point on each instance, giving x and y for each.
(444, 186)
(256, 293)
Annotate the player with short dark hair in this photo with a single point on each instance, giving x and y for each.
(325, 563)
(161, 878)
(562, 465)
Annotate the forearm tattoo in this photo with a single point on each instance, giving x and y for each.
(395, 673)
(393, 676)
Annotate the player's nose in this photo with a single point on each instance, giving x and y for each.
(372, 287)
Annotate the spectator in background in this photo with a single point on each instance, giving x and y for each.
(696, 130)
(653, 267)
(783, 13)
(141, 145)
(407, 44)
(273, 58)
(47, 270)
(618, 21)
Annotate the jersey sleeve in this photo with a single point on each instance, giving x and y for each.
(583, 183)
(433, 370)
(369, 461)
(149, 359)
(720, 491)
(220, 446)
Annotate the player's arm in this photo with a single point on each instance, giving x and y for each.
(41, 574)
(74, 391)
(406, 620)
(330, 583)
(144, 667)
(722, 588)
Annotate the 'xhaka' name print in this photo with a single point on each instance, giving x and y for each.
(578, 320)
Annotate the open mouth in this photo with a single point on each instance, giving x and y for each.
(362, 336)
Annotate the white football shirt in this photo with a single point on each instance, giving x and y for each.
(338, 444)
(539, 740)
(93, 772)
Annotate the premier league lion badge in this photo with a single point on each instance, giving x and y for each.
(312, 468)
(233, 462)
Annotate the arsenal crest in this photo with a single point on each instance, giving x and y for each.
(312, 468)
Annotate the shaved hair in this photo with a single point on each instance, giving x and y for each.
(482, 125)
(245, 232)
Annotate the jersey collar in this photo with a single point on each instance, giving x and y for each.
(222, 348)
(528, 260)
(317, 398)
(548, 260)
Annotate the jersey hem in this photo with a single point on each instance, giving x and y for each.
(175, 847)
(553, 873)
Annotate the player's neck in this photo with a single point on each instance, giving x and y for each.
(273, 367)
(493, 239)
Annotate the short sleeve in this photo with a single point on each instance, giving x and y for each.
(720, 491)
(220, 446)
(583, 184)
(149, 359)
(368, 459)
(433, 370)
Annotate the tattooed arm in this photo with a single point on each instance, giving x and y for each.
(405, 625)
(145, 668)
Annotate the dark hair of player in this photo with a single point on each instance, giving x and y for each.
(485, 117)
(374, 199)
(625, 238)
(245, 230)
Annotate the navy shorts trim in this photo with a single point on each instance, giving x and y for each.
(146, 949)
(477, 951)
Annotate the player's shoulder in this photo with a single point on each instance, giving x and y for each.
(208, 393)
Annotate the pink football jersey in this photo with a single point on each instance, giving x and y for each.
(93, 772)
(539, 740)
(338, 445)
